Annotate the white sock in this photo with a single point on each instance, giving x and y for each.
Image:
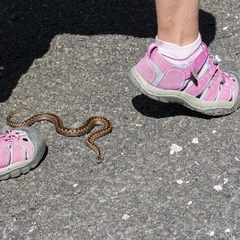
(179, 56)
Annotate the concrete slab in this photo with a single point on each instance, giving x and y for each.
(72, 58)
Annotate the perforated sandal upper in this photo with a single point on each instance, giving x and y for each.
(208, 84)
(15, 146)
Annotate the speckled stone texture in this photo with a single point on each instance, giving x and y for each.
(72, 58)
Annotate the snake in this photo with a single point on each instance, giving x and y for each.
(86, 127)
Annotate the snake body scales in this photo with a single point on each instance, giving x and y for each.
(87, 126)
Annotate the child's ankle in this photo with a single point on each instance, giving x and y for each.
(179, 56)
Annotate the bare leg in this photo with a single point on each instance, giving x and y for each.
(177, 21)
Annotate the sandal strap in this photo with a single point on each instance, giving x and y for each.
(189, 71)
(205, 81)
(15, 146)
(214, 84)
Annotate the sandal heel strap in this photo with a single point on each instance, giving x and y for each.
(189, 71)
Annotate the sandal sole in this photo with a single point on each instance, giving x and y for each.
(212, 108)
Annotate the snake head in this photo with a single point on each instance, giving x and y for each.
(99, 158)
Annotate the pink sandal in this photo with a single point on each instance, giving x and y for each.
(21, 149)
(210, 92)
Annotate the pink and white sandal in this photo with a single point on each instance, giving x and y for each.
(21, 149)
(212, 91)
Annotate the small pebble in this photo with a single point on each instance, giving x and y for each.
(175, 149)
(125, 217)
(211, 233)
(218, 188)
(180, 181)
(225, 180)
(195, 141)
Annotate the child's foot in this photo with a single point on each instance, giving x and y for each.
(21, 149)
(201, 85)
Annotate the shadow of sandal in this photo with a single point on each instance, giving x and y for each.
(155, 109)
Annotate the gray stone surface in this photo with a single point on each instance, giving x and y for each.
(72, 58)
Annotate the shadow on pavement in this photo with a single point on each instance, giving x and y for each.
(155, 109)
(28, 26)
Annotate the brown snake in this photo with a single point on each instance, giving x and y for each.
(70, 132)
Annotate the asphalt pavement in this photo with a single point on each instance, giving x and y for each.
(168, 173)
